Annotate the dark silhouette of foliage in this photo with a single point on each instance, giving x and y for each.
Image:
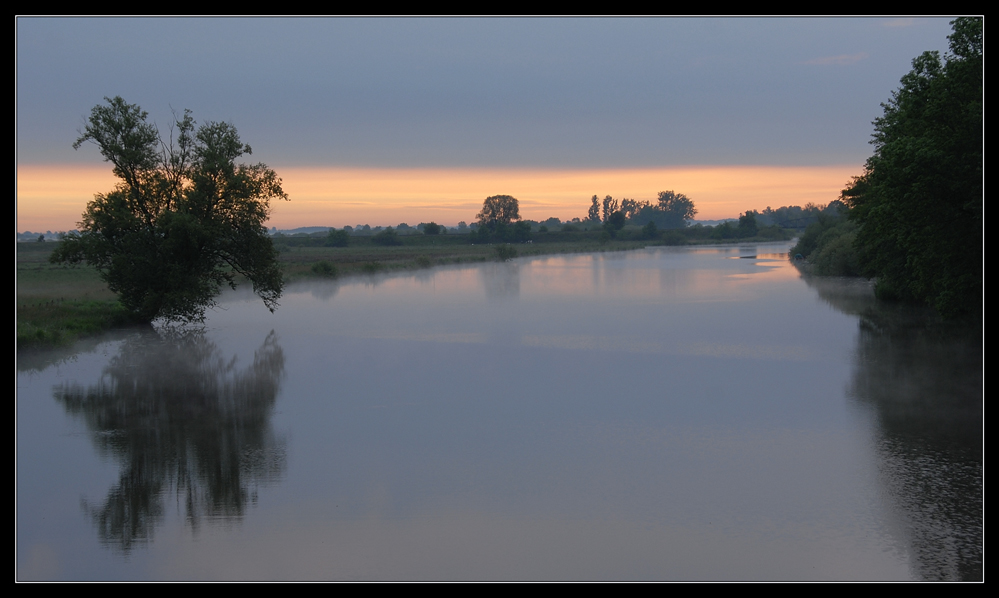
(725, 230)
(610, 205)
(519, 232)
(183, 220)
(593, 215)
(499, 210)
(672, 210)
(649, 231)
(506, 252)
(747, 224)
(337, 238)
(496, 222)
(614, 223)
(797, 216)
(919, 202)
(827, 244)
(386, 237)
(325, 269)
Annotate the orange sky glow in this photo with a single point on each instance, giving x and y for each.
(53, 198)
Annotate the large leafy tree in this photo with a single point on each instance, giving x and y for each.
(183, 220)
(499, 210)
(919, 201)
(497, 221)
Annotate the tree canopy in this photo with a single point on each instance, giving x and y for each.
(593, 215)
(672, 210)
(919, 201)
(499, 210)
(183, 220)
(678, 206)
(496, 222)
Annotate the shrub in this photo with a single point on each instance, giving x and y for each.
(505, 252)
(337, 238)
(386, 237)
(325, 269)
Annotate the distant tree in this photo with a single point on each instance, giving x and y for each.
(630, 208)
(337, 238)
(672, 210)
(431, 228)
(496, 222)
(649, 231)
(747, 224)
(610, 206)
(386, 237)
(614, 223)
(796, 216)
(519, 232)
(677, 205)
(499, 210)
(725, 230)
(184, 220)
(594, 213)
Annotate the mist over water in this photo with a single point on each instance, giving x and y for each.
(671, 413)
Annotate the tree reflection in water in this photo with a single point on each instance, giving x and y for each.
(923, 377)
(179, 417)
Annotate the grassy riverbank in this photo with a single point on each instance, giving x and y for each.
(57, 304)
(299, 258)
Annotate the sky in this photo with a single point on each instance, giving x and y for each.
(387, 120)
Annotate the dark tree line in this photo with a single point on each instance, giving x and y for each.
(671, 210)
(918, 203)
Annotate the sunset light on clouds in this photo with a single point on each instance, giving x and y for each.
(351, 196)
(53, 199)
(383, 121)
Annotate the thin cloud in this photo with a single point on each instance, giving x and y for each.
(842, 59)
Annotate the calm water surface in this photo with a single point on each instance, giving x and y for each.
(674, 414)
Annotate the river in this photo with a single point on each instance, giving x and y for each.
(664, 414)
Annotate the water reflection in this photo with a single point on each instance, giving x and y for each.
(672, 413)
(178, 417)
(501, 281)
(924, 380)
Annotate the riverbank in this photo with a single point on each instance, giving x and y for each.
(56, 304)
